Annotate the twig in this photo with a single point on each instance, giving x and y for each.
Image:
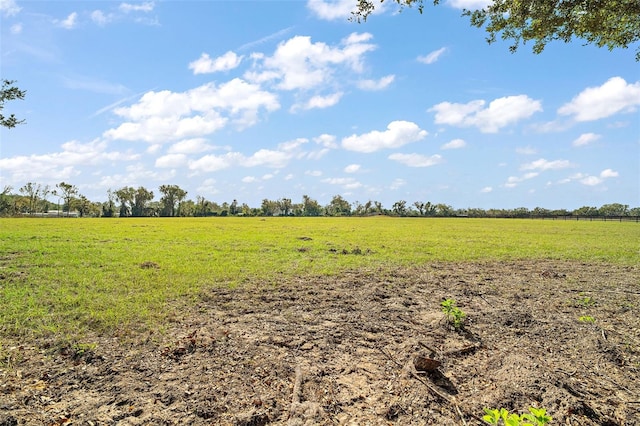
(297, 387)
(390, 357)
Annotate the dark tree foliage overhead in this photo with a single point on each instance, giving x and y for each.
(9, 92)
(604, 23)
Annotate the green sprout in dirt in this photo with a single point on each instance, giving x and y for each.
(587, 319)
(454, 315)
(535, 417)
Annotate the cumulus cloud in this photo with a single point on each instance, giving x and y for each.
(100, 18)
(9, 7)
(373, 85)
(499, 113)
(513, 181)
(613, 97)
(398, 133)
(319, 102)
(590, 180)
(66, 163)
(16, 28)
(171, 161)
(486, 190)
(346, 183)
(190, 146)
(276, 159)
(331, 10)
(206, 65)
(138, 7)
(167, 116)
(416, 160)
(543, 164)
(454, 144)
(432, 57)
(70, 22)
(352, 168)
(585, 139)
(299, 63)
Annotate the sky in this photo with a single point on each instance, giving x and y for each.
(250, 100)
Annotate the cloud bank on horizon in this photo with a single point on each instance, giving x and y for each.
(303, 101)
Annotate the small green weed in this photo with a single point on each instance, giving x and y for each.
(587, 319)
(535, 417)
(454, 315)
(586, 301)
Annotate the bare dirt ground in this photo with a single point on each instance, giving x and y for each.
(343, 351)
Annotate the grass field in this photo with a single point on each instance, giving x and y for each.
(66, 276)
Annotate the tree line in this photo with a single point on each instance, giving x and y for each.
(34, 199)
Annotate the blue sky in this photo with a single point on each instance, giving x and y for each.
(249, 100)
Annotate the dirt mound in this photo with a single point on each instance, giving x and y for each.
(344, 350)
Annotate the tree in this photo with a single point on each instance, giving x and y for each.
(339, 206)
(141, 198)
(400, 208)
(125, 196)
(604, 23)
(285, 205)
(34, 193)
(9, 92)
(172, 196)
(67, 192)
(310, 207)
(615, 209)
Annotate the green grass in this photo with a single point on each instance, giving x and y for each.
(66, 276)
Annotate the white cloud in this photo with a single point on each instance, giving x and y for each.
(373, 85)
(326, 140)
(346, 183)
(263, 157)
(416, 160)
(526, 150)
(501, 112)
(206, 65)
(167, 116)
(543, 164)
(140, 7)
(454, 144)
(585, 139)
(249, 179)
(9, 7)
(513, 181)
(469, 4)
(397, 183)
(100, 18)
(320, 102)
(486, 190)
(608, 173)
(590, 180)
(16, 28)
(330, 10)
(171, 161)
(398, 133)
(190, 146)
(54, 166)
(314, 173)
(593, 103)
(432, 57)
(300, 64)
(70, 22)
(352, 168)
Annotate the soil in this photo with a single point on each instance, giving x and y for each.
(368, 347)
